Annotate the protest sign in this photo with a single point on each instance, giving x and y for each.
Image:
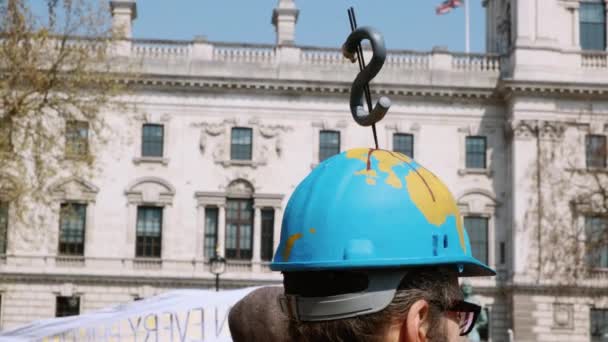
(175, 316)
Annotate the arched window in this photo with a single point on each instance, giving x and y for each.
(149, 196)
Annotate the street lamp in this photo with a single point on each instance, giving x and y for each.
(218, 266)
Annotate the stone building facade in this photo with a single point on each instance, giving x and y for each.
(222, 133)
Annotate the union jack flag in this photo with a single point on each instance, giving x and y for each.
(447, 6)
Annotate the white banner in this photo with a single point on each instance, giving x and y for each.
(180, 316)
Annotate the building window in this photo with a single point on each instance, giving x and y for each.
(77, 138)
(210, 243)
(72, 222)
(6, 143)
(599, 325)
(267, 234)
(477, 227)
(3, 227)
(240, 146)
(67, 306)
(476, 152)
(149, 232)
(404, 143)
(595, 151)
(152, 139)
(239, 228)
(329, 144)
(593, 25)
(597, 241)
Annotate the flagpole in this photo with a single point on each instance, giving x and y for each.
(467, 31)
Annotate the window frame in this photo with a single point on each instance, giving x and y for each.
(404, 135)
(267, 226)
(324, 152)
(485, 260)
(237, 148)
(71, 249)
(4, 210)
(603, 312)
(67, 299)
(590, 157)
(146, 139)
(239, 253)
(595, 261)
(469, 153)
(584, 33)
(6, 134)
(210, 236)
(76, 146)
(146, 239)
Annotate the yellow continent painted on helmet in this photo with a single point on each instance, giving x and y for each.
(426, 191)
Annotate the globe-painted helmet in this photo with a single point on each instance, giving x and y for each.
(369, 209)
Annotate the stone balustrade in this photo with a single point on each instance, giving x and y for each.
(594, 60)
(231, 53)
(267, 54)
(476, 62)
(172, 49)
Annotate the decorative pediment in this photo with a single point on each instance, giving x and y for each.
(74, 188)
(240, 188)
(478, 201)
(150, 190)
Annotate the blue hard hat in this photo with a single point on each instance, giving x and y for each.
(370, 209)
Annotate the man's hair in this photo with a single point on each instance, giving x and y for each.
(429, 283)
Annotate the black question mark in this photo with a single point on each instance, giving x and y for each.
(349, 48)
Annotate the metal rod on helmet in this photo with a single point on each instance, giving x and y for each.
(361, 59)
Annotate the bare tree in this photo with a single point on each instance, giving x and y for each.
(56, 78)
(569, 206)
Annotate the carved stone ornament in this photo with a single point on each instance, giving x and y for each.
(263, 136)
(213, 129)
(270, 132)
(551, 130)
(240, 188)
(326, 125)
(563, 315)
(522, 129)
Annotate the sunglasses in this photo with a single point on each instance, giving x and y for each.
(466, 315)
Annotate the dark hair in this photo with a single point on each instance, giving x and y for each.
(430, 284)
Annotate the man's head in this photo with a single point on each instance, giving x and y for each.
(419, 310)
(371, 247)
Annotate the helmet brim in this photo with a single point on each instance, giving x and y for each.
(466, 266)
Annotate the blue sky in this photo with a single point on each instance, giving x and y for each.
(406, 24)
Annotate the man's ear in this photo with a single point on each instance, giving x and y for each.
(416, 325)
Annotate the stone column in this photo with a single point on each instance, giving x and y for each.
(257, 238)
(123, 14)
(573, 7)
(284, 19)
(201, 222)
(278, 220)
(221, 230)
(524, 135)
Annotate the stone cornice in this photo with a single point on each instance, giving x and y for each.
(127, 280)
(509, 88)
(197, 84)
(561, 290)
